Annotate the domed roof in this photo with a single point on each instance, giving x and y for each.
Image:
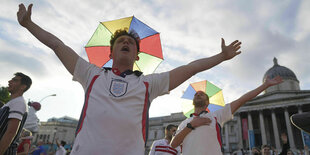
(281, 71)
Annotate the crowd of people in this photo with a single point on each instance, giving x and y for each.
(115, 113)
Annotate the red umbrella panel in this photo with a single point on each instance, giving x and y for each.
(98, 47)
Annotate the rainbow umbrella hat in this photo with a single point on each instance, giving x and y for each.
(98, 47)
(215, 97)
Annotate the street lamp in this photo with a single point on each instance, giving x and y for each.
(46, 97)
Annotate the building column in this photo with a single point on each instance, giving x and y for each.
(240, 144)
(299, 109)
(262, 127)
(289, 129)
(275, 129)
(227, 137)
(250, 123)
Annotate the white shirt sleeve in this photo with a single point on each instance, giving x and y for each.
(84, 71)
(152, 151)
(182, 125)
(159, 84)
(223, 115)
(17, 108)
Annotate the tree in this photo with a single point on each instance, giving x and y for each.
(4, 94)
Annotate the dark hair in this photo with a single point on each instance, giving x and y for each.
(26, 80)
(170, 126)
(121, 32)
(266, 146)
(63, 143)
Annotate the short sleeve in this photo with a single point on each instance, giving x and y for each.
(223, 115)
(152, 151)
(83, 71)
(159, 84)
(17, 108)
(182, 126)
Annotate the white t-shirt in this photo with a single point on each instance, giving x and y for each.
(205, 139)
(114, 118)
(17, 107)
(162, 147)
(61, 151)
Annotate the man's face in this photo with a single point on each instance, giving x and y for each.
(171, 132)
(124, 50)
(15, 85)
(200, 99)
(255, 151)
(266, 151)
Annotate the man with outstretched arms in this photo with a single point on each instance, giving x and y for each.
(114, 119)
(201, 133)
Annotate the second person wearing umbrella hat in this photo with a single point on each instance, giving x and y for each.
(115, 113)
(200, 134)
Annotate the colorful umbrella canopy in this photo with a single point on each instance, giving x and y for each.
(98, 47)
(215, 97)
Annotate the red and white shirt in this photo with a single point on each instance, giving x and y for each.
(162, 147)
(205, 139)
(114, 119)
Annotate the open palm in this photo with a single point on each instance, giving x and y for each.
(231, 50)
(276, 80)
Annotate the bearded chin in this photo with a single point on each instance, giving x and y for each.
(199, 104)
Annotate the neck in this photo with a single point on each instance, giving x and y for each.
(198, 110)
(15, 95)
(168, 139)
(123, 68)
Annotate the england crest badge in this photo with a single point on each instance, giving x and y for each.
(118, 87)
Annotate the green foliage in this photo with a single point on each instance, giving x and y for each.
(4, 94)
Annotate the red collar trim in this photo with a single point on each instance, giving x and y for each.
(116, 71)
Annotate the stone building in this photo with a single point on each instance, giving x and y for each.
(267, 116)
(62, 128)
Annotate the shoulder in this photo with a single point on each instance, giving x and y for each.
(159, 142)
(156, 75)
(18, 102)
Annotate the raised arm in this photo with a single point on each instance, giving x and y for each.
(196, 122)
(235, 105)
(182, 73)
(57, 143)
(66, 55)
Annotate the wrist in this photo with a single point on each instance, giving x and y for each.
(27, 23)
(189, 125)
(266, 85)
(222, 56)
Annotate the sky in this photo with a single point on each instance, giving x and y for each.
(188, 30)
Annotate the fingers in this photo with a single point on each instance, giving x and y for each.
(235, 42)
(30, 9)
(206, 121)
(237, 48)
(223, 42)
(21, 7)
